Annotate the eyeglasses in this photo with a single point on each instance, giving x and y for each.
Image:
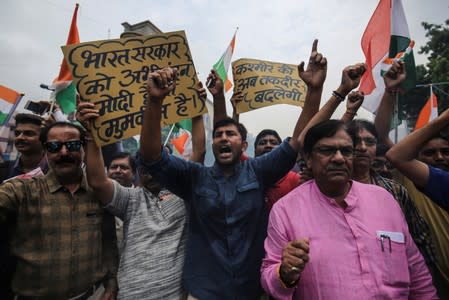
(369, 141)
(331, 151)
(56, 146)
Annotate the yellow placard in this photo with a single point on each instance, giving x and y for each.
(113, 75)
(265, 83)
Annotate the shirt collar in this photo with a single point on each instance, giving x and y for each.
(350, 199)
(218, 173)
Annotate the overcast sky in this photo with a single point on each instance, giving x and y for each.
(33, 31)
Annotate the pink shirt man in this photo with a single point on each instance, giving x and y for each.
(348, 259)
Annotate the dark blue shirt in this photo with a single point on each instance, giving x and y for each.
(228, 220)
(437, 187)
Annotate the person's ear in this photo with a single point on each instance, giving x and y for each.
(244, 146)
(308, 159)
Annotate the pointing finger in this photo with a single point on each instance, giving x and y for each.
(315, 45)
(301, 68)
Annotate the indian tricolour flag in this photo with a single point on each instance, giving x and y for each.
(385, 39)
(9, 99)
(222, 65)
(182, 142)
(65, 90)
(429, 112)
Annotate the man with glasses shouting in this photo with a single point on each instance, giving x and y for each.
(335, 238)
(64, 242)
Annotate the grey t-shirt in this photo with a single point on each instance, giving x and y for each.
(155, 232)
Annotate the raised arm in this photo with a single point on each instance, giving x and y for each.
(160, 84)
(235, 99)
(198, 133)
(216, 87)
(96, 175)
(355, 100)
(350, 79)
(393, 79)
(403, 154)
(314, 77)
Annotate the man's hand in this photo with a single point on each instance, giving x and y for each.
(86, 114)
(201, 91)
(315, 74)
(350, 78)
(395, 76)
(294, 259)
(355, 100)
(214, 83)
(161, 83)
(236, 98)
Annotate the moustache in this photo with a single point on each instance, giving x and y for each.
(65, 159)
(332, 168)
(21, 143)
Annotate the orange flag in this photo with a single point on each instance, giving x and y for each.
(428, 112)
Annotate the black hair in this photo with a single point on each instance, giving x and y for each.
(321, 130)
(44, 132)
(28, 119)
(355, 126)
(266, 132)
(229, 121)
(121, 155)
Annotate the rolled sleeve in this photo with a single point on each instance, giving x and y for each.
(120, 201)
(437, 187)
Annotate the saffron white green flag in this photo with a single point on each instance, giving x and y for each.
(222, 65)
(386, 38)
(429, 112)
(8, 102)
(65, 90)
(182, 141)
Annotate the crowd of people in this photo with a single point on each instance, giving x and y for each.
(336, 211)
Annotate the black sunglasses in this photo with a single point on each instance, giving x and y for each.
(55, 146)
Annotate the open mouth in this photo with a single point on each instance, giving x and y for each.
(225, 149)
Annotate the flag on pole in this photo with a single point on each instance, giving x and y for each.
(385, 36)
(9, 99)
(182, 141)
(222, 65)
(65, 90)
(428, 112)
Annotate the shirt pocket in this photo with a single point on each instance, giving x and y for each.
(94, 218)
(249, 198)
(394, 263)
(207, 202)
